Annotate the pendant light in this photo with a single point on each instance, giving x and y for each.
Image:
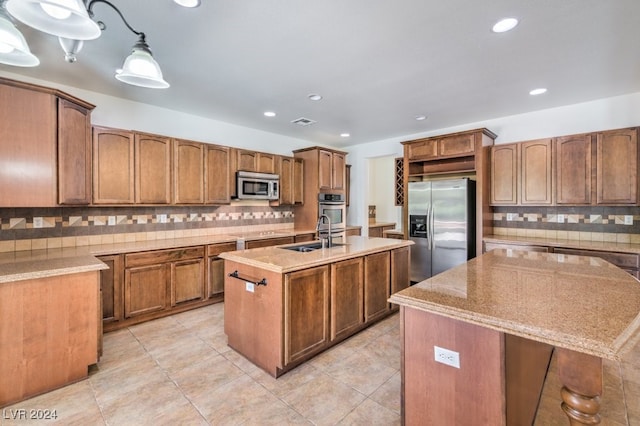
(13, 46)
(140, 69)
(62, 18)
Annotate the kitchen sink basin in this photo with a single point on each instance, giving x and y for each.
(307, 247)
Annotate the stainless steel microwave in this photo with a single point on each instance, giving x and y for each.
(257, 186)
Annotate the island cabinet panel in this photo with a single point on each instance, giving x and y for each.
(400, 270)
(573, 169)
(152, 169)
(188, 172)
(218, 174)
(347, 293)
(28, 144)
(377, 278)
(617, 167)
(49, 333)
(469, 395)
(74, 153)
(253, 319)
(306, 319)
(113, 166)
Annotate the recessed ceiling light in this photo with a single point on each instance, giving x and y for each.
(269, 114)
(538, 91)
(314, 97)
(188, 3)
(421, 117)
(504, 25)
(344, 135)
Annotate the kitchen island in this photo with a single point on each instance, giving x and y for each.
(283, 306)
(496, 319)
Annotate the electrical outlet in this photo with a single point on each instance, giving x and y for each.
(560, 218)
(111, 221)
(446, 356)
(628, 219)
(162, 218)
(38, 222)
(512, 216)
(250, 287)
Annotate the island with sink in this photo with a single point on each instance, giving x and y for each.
(285, 304)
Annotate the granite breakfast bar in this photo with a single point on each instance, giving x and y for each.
(503, 313)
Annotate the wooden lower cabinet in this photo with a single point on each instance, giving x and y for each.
(347, 293)
(527, 247)
(306, 322)
(400, 270)
(145, 289)
(143, 286)
(377, 276)
(187, 281)
(111, 289)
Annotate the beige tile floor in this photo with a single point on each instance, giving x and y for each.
(179, 370)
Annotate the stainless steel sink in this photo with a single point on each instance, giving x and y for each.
(307, 247)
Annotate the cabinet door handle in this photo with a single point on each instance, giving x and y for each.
(236, 275)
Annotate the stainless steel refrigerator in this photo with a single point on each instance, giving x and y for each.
(441, 224)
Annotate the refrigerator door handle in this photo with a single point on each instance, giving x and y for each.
(431, 228)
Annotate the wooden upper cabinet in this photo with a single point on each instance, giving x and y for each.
(456, 145)
(188, 171)
(324, 169)
(617, 167)
(266, 163)
(536, 172)
(573, 169)
(422, 149)
(218, 176)
(504, 174)
(74, 153)
(152, 169)
(247, 160)
(286, 180)
(298, 181)
(113, 166)
(331, 170)
(338, 167)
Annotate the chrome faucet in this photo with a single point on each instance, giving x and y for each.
(327, 234)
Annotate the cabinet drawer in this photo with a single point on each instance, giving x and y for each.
(623, 260)
(216, 249)
(268, 242)
(163, 256)
(492, 246)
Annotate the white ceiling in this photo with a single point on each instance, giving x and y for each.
(377, 63)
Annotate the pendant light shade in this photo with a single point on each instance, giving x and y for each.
(13, 46)
(140, 69)
(63, 18)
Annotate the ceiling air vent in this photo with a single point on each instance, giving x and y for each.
(303, 121)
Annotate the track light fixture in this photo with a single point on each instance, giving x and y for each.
(72, 21)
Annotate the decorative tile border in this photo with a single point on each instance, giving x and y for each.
(41, 223)
(591, 221)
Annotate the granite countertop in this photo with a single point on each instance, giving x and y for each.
(33, 264)
(575, 302)
(576, 244)
(280, 260)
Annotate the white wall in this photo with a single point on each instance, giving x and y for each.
(120, 113)
(603, 114)
(382, 189)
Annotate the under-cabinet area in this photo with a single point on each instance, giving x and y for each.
(284, 306)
